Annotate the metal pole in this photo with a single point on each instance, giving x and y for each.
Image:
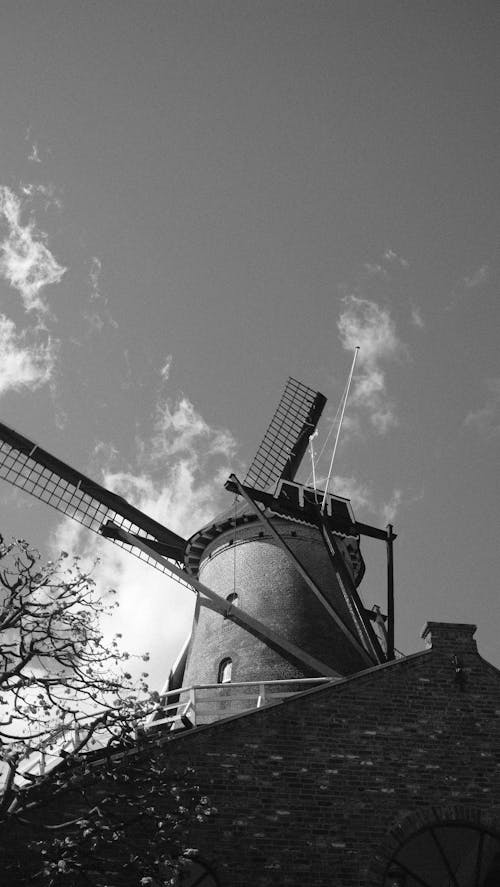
(390, 591)
(339, 427)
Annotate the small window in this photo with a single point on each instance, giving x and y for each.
(225, 671)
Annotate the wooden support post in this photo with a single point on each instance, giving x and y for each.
(390, 591)
(350, 590)
(192, 700)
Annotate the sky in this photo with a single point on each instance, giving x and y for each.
(199, 199)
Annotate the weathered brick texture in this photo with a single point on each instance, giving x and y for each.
(269, 587)
(316, 791)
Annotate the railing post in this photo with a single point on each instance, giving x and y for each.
(192, 699)
(261, 699)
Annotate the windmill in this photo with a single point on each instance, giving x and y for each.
(280, 570)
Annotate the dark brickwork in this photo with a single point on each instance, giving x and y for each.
(320, 790)
(270, 588)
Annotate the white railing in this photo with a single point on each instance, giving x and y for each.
(206, 703)
(187, 707)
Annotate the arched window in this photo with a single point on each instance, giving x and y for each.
(465, 855)
(225, 671)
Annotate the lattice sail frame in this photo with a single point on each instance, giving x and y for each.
(26, 466)
(285, 441)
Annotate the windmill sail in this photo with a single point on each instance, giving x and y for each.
(27, 466)
(285, 441)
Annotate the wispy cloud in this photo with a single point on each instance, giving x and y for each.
(34, 156)
(177, 479)
(416, 318)
(390, 508)
(98, 314)
(466, 287)
(167, 366)
(24, 362)
(374, 269)
(393, 259)
(486, 419)
(364, 323)
(180, 429)
(94, 275)
(359, 493)
(477, 278)
(363, 499)
(25, 261)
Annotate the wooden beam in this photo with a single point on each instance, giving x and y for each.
(346, 527)
(348, 585)
(390, 592)
(220, 605)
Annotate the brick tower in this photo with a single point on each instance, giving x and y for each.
(239, 559)
(287, 556)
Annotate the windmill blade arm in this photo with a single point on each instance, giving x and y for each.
(285, 441)
(111, 531)
(27, 466)
(301, 444)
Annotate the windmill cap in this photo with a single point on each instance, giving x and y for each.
(241, 513)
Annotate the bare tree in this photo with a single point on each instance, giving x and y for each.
(112, 813)
(58, 675)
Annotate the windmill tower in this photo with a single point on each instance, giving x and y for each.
(268, 554)
(279, 567)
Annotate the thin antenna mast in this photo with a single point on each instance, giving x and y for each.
(311, 448)
(339, 427)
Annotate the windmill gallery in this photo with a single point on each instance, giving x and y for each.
(328, 758)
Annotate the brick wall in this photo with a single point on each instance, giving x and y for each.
(313, 791)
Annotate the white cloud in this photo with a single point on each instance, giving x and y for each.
(393, 258)
(486, 419)
(365, 324)
(34, 155)
(374, 269)
(390, 508)
(155, 612)
(23, 363)
(359, 493)
(362, 498)
(416, 318)
(165, 370)
(477, 278)
(94, 274)
(97, 318)
(178, 480)
(179, 429)
(25, 262)
(48, 192)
